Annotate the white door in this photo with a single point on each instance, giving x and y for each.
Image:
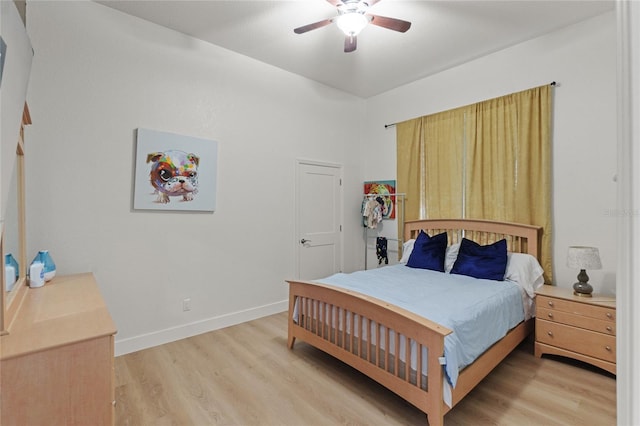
(319, 212)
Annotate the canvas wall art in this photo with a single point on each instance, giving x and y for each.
(174, 172)
(385, 189)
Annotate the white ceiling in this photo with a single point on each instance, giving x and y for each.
(443, 34)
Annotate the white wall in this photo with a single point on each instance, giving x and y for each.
(582, 60)
(97, 76)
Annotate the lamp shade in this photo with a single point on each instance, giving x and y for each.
(579, 257)
(351, 23)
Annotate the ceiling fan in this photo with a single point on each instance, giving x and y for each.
(352, 18)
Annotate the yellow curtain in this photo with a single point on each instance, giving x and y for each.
(429, 170)
(410, 170)
(490, 160)
(508, 163)
(444, 144)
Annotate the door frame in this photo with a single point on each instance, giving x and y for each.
(299, 162)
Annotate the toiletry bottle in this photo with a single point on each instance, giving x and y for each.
(36, 275)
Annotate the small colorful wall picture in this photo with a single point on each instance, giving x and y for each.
(174, 172)
(383, 189)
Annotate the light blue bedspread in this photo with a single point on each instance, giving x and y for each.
(480, 312)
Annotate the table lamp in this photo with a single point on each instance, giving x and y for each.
(583, 258)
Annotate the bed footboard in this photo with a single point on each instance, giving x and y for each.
(349, 325)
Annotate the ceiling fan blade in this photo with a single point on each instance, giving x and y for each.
(390, 23)
(350, 43)
(309, 27)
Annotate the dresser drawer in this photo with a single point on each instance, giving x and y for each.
(575, 339)
(601, 326)
(577, 308)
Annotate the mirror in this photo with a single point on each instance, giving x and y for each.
(16, 70)
(13, 237)
(10, 239)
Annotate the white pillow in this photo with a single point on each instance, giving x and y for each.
(450, 257)
(407, 248)
(522, 268)
(525, 270)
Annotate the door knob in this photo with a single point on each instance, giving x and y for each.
(302, 241)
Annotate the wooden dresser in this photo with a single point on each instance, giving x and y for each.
(583, 328)
(58, 359)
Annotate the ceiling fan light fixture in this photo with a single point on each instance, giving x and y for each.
(353, 16)
(352, 23)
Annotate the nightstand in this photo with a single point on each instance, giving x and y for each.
(583, 328)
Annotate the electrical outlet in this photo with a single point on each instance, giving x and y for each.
(186, 304)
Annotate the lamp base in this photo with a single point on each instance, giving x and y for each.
(582, 289)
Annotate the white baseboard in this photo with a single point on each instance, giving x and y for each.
(144, 341)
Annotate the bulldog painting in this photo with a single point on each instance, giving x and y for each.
(174, 174)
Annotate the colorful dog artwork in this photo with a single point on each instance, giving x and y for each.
(174, 172)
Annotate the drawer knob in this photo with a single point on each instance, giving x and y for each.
(550, 333)
(550, 303)
(609, 328)
(550, 315)
(608, 348)
(609, 315)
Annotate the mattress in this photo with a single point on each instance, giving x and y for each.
(479, 312)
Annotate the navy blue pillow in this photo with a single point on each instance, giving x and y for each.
(488, 262)
(429, 252)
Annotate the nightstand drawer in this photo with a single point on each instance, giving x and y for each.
(575, 339)
(601, 326)
(577, 308)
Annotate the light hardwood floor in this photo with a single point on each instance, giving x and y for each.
(246, 375)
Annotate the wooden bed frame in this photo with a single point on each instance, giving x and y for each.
(319, 306)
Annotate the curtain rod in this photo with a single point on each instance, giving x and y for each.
(386, 126)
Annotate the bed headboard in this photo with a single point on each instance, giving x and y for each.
(520, 238)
